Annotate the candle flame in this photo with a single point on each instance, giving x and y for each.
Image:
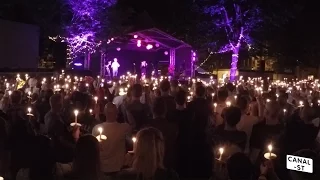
(270, 147)
(29, 109)
(221, 150)
(76, 112)
(134, 139)
(100, 130)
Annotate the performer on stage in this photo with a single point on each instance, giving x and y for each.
(115, 66)
(108, 66)
(143, 67)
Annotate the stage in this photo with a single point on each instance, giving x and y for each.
(161, 52)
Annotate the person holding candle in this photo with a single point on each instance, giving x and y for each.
(113, 149)
(228, 132)
(58, 130)
(148, 158)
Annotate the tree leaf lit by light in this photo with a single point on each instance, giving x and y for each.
(85, 26)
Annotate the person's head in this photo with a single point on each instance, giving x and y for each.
(82, 87)
(165, 86)
(181, 98)
(295, 175)
(283, 97)
(200, 91)
(115, 60)
(42, 159)
(242, 103)
(230, 87)
(174, 86)
(239, 167)
(149, 152)
(56, 102)
(111, 112)
(159, 108)
(272, 111)
(47, 94)
(232, 116)
(86, 162)
(307, 114)
(16, 97)
(137, 91)
(222, 95)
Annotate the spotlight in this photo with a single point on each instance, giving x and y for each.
(135, 36)
(149, 46)
(118, 49)
(166, 53)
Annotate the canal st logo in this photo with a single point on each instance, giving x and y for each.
(297, 163)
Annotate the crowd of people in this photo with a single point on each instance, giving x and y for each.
(167, 130)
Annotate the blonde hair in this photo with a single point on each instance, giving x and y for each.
(149, 152)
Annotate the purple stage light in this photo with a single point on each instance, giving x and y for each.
(118, 49)
(78, 64)
(135, 36)
(166, 53)
(149, 46)
(139, 44)
(194, 54)
(157, 45)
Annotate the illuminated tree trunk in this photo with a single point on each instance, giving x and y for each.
(234, 64)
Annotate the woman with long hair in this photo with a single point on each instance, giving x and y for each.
(86, 162)
(148, 158)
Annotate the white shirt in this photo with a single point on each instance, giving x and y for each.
(112, 150)
(115, 65)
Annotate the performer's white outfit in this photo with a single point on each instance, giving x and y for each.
(115, 66)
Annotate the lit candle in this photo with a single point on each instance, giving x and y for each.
(268, 100)
(235, 97)
(90, 110)
(100, 131)
(270, 149)
(300, 103)
(284, 111)
(221, 150)
(10, 92)
(76, 112)
(215, 107)
(96, 99)
(134, 139)
(228, 103)
(29, 94)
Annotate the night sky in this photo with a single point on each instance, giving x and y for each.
(298, 39)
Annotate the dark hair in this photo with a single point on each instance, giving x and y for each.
(242, 103)
(137, 90)
(174, 83)
(16, 97)
(42, 159)
(86, 162)
(232, 116)
(222, 95)
(200, 91)
(159, 107)
(239, 167)
(181, 97)
(165, 85)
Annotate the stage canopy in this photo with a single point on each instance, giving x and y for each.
(179, 52)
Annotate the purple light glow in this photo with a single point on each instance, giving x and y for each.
(157, 45)
(237, 23)
(166, 53)
(149, 46)
(118, 49)
(135, 36)
(78, 64)
(194, 54)
(86, 24)
(193, 58)
(139, 45)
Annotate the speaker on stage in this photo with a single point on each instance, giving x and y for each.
(60, 55)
